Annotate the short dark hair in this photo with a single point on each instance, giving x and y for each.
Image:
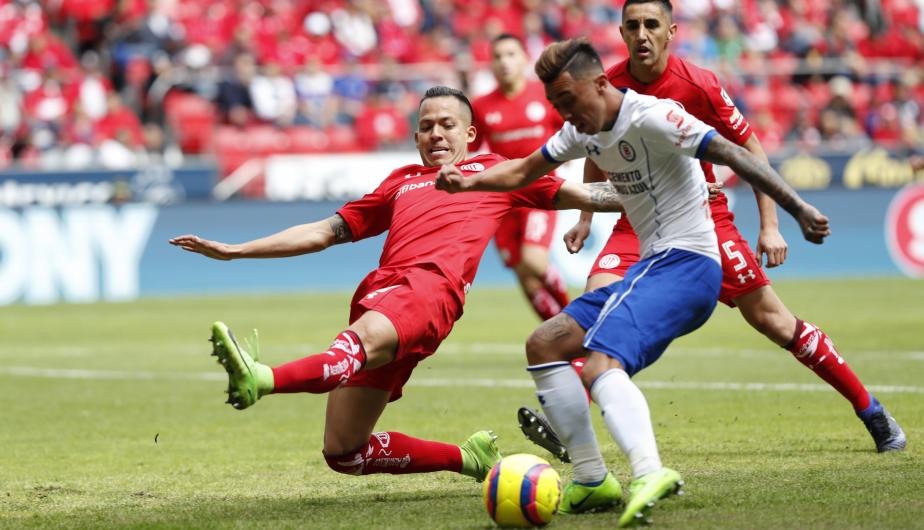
(665, 5)
(507, 36)
(575, 56)
(440, 91)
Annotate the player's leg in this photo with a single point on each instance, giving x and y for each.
(663, 297)
(540, 281)
(351, 446)
(619, 253)
(537, 239)
(369, 342)
(602, 279)
(564, 402)
(746, 286)
(811, 346)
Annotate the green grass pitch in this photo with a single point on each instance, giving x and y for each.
(113, 417)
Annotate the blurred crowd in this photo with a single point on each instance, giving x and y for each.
(116, 83)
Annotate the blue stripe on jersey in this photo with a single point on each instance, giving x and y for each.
(548, 156)
(705, 143)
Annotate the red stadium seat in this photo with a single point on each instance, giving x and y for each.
(192, 119)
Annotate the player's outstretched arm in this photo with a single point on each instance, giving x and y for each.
(593, 197)
(504, 176)
(294, 241)
(763, 177)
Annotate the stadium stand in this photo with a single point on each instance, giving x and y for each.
(109, 81)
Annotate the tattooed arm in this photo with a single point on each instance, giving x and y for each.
(294, 241)
(593, 197)
(763, 177)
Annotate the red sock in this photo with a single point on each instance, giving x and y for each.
(397, 454)
(578, 365)
(545, 304)
(812, 347)
(555, 285)
(322, 372)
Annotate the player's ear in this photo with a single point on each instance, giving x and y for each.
(600, 82)
(671, 31)
(470, 134)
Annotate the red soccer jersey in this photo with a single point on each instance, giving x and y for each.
(515, 127)
(435, 230)
(701, 94)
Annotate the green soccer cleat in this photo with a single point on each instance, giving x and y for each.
(248, 380)
(479, 454)
(645, 491)
(578, 498)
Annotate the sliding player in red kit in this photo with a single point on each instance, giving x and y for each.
(648, 28)
(515, 120)
(402, 310)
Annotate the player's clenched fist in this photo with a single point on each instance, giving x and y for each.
(449, 179)
(814, 225)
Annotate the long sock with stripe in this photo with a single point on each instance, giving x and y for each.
(322, 372)
(626, 414)
(564, 403)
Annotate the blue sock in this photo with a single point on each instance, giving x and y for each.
(873, 408)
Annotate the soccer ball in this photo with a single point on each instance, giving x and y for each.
(522, 491)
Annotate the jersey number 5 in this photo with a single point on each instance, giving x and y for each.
(735, 255)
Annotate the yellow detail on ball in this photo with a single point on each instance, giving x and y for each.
(522, 491)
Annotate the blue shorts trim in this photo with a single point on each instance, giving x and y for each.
(661, 298)
(546, 366)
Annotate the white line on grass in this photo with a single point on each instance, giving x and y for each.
(468, 348)
(68, 373)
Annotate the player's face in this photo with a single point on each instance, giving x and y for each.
(647, 31)
(579, 101)
(444, 130)
(508, 62)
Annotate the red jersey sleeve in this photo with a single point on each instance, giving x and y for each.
(724, 115)
(368, 216)
(540, 194)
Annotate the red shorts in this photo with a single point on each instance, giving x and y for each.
(620, 252)
(741, 272)
(422, 305)
(524, 226)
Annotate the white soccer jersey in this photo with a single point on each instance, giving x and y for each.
(648, 157)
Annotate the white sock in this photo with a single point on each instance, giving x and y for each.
(626, 414)
(564, 402)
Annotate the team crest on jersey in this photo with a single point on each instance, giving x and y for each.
(675, 118)
(610, 261)
(626, 150)
(535, 111)
(476, 166)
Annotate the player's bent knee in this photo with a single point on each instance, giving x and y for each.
(348, 463)
(537, 351)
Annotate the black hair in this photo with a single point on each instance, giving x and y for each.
(445, 91)
(507, 36)
(575, 56)
(665, 5)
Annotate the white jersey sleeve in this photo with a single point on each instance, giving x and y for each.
(669, 124)
(564, 145)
